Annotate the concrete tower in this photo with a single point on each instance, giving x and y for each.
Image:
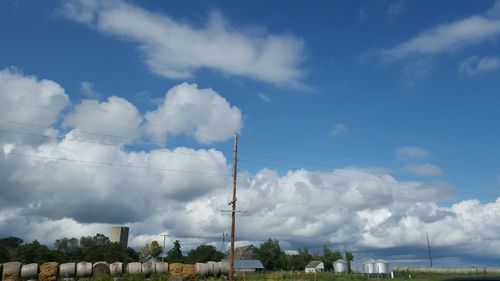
(120, 234)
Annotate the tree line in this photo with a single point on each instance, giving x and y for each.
(100, 248)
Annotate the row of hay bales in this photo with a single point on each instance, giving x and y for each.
(51, 271)
(465, 270)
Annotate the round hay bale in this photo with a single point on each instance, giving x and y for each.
(29, 271)
(67, 270)
(100, 268)
(213, 268)
(201, 269)
(116, 269)
(11, 271)
(223, 268)
(148, 268)
(48, 271)
(175, 269)
(134, 268)
(161, 267)
(84, 269)
(188, 271)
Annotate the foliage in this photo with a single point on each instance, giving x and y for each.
(4, 254)
(329, 256)
(152, 248)
(11, 242)
(32, 253)
(271, 255)
(299, 262)
(204, 253)
(175, 254)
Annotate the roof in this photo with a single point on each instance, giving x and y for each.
(246, 264)
(313, 264)
(149, 258)
(244, 252)
(340, 261)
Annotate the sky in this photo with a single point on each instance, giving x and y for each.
(367, 124)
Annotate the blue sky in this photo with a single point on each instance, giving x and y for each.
(400, 89)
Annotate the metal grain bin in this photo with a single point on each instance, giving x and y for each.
(368, 266)
(67, 270)
(223, 268)
(340, 266)
(148, 268)
(29, 271)
(161, 267)
(116, 269)
(134, 268)
(84, 269)
(381, 267)
(100, 268)
(201, 269)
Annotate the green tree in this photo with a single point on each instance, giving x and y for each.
(349, 258)
(329, 256)
(11, 242)
(175, 254)
(204, 253)
(33, 252)
(152, 248)
(271, 255)
(299, 262)
(4, 254)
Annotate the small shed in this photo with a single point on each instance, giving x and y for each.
(315, 266)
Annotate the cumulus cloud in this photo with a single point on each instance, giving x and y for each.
(115, 120)
(339, 129)
(411, 152)
(425, 169)
(88, 90)
(476, 65)
(201, 113)
(176, 49)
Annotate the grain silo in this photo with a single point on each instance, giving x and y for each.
(340, 266)
(368, 266)
(381, 267)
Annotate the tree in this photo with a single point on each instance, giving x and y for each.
(152, 248)
(4, 254)
(299, 262)
(329, 256)
(175, 254)
(349, 258)
(271, 255)
(11, 242)
(204, 253)
(33, 252)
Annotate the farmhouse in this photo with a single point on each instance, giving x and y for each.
(315, 266)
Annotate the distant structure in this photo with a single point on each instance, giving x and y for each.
(314, 266)
(245, 253)
(120, 234)
(246, 265)
(340, 266)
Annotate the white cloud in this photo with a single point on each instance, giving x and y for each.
(176, 49)
(115, 120)
(425, 169)
(411, 152)
(339, 129)
(475, 65)
(201, 113)
(264, 97)
(88, 90)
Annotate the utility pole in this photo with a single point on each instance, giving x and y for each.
(233, 209)
(163, 250)
(429, 248)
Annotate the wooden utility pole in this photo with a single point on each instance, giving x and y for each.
(429, 248)
(233, 209)
(163, 250)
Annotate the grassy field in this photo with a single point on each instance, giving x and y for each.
(325, 276)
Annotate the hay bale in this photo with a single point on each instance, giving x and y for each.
(134, 268)
(201, 269)
(29, 271)
(100, 268)
(116, 269)
(161, 267)
(175, 269)
(188, 271)
(148, 268)
(84, 269)
(67, 270)
(48, 271)
(223, 268)
(11, 271)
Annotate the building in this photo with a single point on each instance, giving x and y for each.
(119, 234)
(315, 266)
(245, 253)
(246, 265)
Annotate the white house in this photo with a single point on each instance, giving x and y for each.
(315, 266)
